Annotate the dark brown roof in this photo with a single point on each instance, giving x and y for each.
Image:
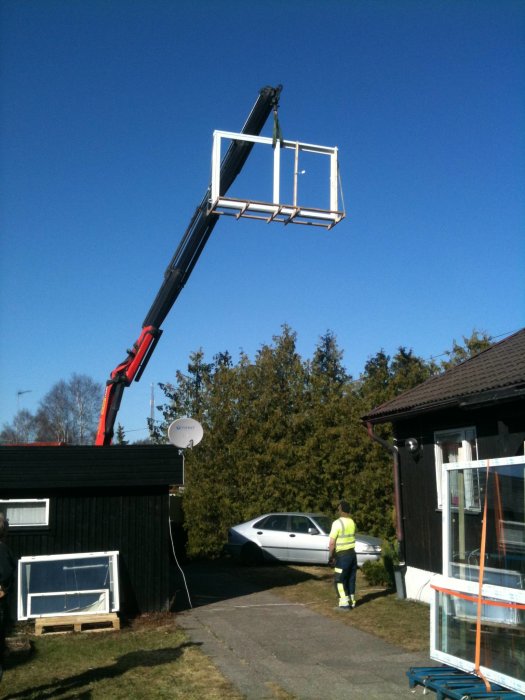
(495, 374)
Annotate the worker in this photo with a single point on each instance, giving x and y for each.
(342, 555)
(7, 570)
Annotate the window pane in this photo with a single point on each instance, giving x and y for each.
(70, 602)
(450, 449)
(276, 522)
(300, 524)
(25, 513)
(505, 528)
(502, 634)
(324, 523)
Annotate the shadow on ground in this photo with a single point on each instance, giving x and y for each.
(126, 662)
(210, 581)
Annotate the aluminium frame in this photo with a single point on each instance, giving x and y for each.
(275, 210)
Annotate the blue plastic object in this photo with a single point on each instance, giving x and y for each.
(452, 683)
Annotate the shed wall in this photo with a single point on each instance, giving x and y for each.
(101, 499)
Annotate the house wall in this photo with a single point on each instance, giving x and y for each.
(101, 499)
(500, 433)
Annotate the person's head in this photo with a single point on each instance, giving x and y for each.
(344, 507)
(4, 524)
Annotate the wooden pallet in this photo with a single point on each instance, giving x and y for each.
(76, 623)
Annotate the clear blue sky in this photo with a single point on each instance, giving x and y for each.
(107, 114)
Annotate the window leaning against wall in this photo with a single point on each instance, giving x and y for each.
(26, 512)
(68, 584)
(451, 446)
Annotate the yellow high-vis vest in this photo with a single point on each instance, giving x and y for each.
(343, 532)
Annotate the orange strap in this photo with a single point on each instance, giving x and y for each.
(483, 547)
(474, 599)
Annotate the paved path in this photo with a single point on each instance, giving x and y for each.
(263, 643)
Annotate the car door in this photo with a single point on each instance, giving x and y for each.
(306, 543)
(272, 536)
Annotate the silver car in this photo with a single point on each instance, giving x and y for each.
(292, 537)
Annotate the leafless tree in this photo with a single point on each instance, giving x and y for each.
(69, 411)
(23, 429)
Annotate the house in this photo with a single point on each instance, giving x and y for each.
(459, 477)
(85, 500)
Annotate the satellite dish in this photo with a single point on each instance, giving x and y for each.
(185, 432)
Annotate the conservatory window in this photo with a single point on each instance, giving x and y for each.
(68, 584)
(478, 608)
(451, 447)
(26, 512)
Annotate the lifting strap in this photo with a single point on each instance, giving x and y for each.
(477, 669)
(277, 133)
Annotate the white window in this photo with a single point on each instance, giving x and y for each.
(68, 584)
(477, 607)
(26, 512)
(450, 447)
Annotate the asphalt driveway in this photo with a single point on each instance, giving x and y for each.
(270, 648)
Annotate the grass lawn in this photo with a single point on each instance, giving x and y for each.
(152, 658)
(149, 659)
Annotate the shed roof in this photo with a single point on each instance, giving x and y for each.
(495, 374)
(70, 467)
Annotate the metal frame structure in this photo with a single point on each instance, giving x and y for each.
(290, 213)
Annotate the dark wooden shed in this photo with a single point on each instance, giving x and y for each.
(99, 499)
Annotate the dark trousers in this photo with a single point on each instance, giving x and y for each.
(3, 626)
(345, 575)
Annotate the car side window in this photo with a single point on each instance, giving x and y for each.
(262, 523)
(276, 522)
(300, 524)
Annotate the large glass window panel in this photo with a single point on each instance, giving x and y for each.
(503, 485)
(68, 584)
(502, 639)
(484, 567)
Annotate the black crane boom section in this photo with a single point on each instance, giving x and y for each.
(180, 267)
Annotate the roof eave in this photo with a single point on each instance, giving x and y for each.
(466, 402)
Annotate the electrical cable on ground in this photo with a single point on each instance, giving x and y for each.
(178, 565)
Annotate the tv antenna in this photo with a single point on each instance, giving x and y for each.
(19, 393)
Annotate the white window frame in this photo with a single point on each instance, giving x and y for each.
(7, 504)
(489, 590)
(24, 606)
(102, 592)
(466, 435)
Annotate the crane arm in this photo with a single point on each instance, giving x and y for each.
(178, 271)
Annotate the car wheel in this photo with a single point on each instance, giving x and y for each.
(251, 555)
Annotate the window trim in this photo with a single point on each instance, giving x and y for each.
(13, 501)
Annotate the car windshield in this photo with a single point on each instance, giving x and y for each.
(324, 522)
